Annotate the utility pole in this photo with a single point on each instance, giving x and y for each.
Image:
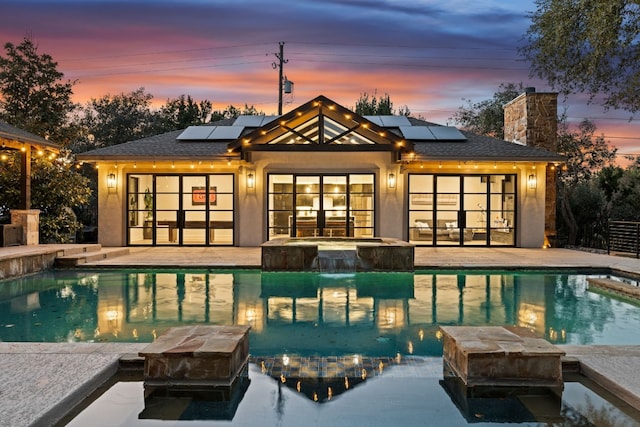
(279, 65)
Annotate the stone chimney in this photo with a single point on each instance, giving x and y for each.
(532, 119)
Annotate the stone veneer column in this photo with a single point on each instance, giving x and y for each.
(29, 219)
(532, 119)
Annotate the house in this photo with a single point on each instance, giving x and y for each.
(321, 170)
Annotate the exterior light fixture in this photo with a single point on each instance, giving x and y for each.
(391, 180)
(251, 179)
(532, 182)
(111, 180)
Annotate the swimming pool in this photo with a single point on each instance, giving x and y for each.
(373, 314)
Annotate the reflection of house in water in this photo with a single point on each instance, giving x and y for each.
(366, 313)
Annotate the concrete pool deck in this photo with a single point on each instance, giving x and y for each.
(40, 381)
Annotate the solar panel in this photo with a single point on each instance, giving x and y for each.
(374, 119)
(226, 132)
(253, 121)
(248, 121)
(447, 133)
(417, 132)
(196, 132)
(395, 121)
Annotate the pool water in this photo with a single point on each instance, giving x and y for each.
(377, 314)
(402, 396)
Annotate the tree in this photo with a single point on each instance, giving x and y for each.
(182, 112)
(33, 95)
(56, 191)
(112, 120)
(487, 117)
(586, 155)
(232, 112)
(382, 106)
(588, 46)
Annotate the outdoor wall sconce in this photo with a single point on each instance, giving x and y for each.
(532, 182)
(111, 180)
(251, 179)
(391, 180)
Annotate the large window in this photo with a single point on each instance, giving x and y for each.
(470, 210)
(321, 205)
(180, 209)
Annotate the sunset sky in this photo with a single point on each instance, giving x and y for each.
(428, 55)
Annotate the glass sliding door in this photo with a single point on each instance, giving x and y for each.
(462, 210)
(196, 197)
(447, 206)
(320, 205)
(180, 209)
(167, 212)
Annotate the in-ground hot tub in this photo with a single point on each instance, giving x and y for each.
(325, 254)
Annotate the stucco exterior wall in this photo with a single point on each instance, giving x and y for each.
(531, 209)
(111, 212)
(250, 215)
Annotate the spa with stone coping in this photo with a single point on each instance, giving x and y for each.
(324, 254)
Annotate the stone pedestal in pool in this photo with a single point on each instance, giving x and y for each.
(192, 357)
(501, 356)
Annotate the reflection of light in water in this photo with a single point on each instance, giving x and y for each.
(438, 334)
(251, 315)
(421, 334)
(285, 360)
(356, 359)
(410, 347)
(337, 276)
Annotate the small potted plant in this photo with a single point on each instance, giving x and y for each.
(148, 218)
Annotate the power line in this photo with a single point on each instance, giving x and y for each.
(162, 52)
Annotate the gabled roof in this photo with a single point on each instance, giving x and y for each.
(321, 125)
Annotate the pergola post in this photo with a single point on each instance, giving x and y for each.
(25, 178)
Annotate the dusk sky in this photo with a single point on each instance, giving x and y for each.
(428, 55)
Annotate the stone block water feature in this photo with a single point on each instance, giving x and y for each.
(337, 254)
(501, 356)
(197, 357)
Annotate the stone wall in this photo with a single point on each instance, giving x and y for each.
(532, 119)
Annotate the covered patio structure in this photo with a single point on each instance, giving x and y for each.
(27, 219)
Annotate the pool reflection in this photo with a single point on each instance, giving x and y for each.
(309, 313)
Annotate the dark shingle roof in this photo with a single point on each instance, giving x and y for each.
(480, 147)
(475, 147)
(13, 133)
(159, 146)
